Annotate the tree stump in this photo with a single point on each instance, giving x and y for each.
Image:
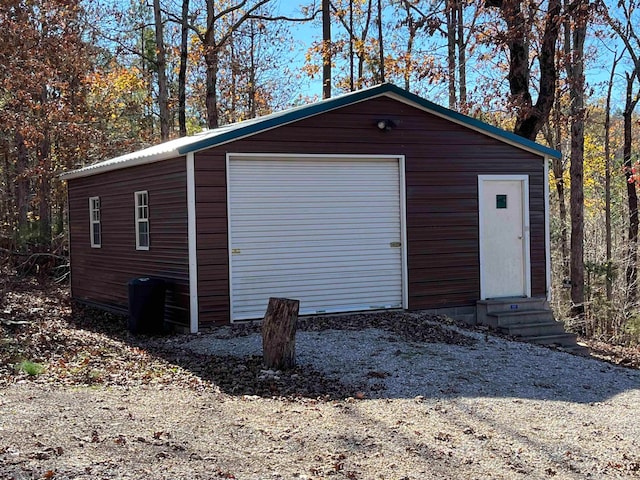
(279, 333)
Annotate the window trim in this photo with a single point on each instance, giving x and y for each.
(140, 220)
(93, 222)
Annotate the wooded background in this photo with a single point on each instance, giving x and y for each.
(85, 80)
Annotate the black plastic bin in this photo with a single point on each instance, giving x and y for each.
(146, 305)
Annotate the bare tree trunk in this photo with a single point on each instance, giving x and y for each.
(212, 45)
(9, 197)
(211, 60)
(326, 49)
(412, 35)
(182, 73)
(530, 117)
(252, 75)
(44, 193)
(235, 67)
(451, 50)
(380, 43)
(462, 57)
(557, 166)
(632, 194)
(576, 92)
(161, 64)
(363, 39)
(558, 173)
(351, 53)
(607, 183)
(22, 183)
(279, 333)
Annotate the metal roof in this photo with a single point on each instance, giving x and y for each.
(228, 133)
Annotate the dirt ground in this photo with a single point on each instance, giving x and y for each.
(110, 405)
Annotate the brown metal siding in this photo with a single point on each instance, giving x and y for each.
(443, 161)
(100, 275)
(213, 262)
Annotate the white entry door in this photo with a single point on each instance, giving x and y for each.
(503, 207)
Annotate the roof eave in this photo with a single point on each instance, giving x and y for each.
(117, 165)
(477, 125)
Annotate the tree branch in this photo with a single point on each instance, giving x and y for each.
(285, 18)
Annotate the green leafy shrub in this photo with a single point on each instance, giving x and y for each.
(32, 369)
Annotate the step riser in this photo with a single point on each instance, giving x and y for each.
(533, 331)
(504, 320)
(511, 304)
(508, 321)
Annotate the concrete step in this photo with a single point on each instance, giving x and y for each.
(533, 329)
(506, 318)
(484, 308)
(530, 319)
(513, 303)
(563, 340)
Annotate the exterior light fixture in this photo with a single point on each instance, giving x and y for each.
(385, 125)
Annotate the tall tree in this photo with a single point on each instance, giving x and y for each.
(578, 13)
(461, 44)
(631, 273)
(326, 49)
(555, 131)
(161, 66)
(607, 181)
(182, 73)
(380, 44)
(412, 25)
(451, 14)
(356, 20)
(530, 116)
(213, 37)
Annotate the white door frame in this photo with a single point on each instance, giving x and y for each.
(403, 205)
(524, 179)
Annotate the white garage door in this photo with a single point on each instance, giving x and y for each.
(326, 231)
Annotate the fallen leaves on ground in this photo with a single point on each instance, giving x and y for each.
(84, 346)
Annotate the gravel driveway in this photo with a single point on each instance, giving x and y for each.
(436, 402)
(388, 366)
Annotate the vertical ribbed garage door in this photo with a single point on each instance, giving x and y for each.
(326, 231)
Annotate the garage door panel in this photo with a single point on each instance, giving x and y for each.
(324, 231)
(311, 293)
(363, 268)
(315, 241)
(323, 253)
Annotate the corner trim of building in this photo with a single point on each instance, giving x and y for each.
(193, 252)
(547, 228)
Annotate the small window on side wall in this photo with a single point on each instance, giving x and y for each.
(142, 220)
(94, 222)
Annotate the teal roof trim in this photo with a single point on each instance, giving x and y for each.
(475, 123)
(228, 133)
(248, 128)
